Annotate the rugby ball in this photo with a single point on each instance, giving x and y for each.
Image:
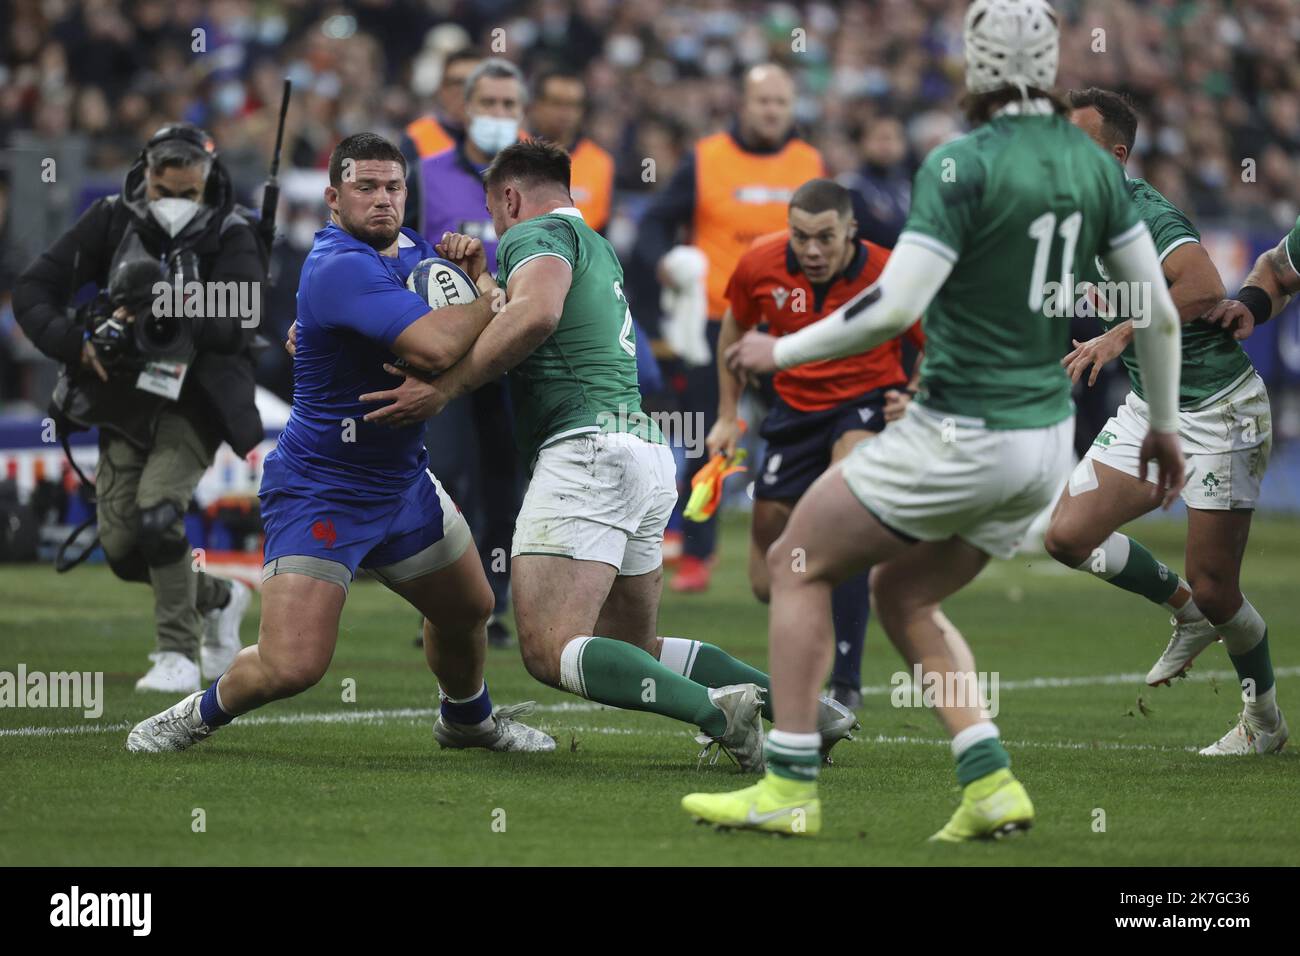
(440, 283)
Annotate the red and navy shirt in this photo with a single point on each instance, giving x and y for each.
(769, 286)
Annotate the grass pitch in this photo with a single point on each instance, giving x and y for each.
(317, 780)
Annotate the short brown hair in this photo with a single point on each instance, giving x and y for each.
(530, 162)
(818, 195)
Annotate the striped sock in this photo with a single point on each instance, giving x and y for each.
(979, 752)
(793, 756)
(1126, 564)
(1245, 635)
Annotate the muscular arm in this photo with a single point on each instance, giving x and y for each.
(438, 339)
(1273, 273)
(1194, 285)
(534, 302)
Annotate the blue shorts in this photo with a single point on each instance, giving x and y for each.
(799, 443)
(397, 536)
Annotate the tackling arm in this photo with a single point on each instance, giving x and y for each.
(437, 340)
(535, 297)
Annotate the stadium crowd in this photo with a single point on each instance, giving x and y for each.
(1217, 84)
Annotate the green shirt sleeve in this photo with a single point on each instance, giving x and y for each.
(946, 196)
(1293, 246)
(525, 241)
(1168, 226)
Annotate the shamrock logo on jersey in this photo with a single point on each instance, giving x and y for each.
(1104, 438)
(1210, 481)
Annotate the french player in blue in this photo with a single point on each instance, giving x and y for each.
(340, 493)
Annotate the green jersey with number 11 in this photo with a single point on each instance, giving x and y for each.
(1020, 206)
(583, 378)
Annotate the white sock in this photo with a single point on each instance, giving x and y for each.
(788, 741)
(571, 667)
(1243, 630)
(1107, 560)
(1262, 711)
(462, 700)
(1187, 613)
(678, 654)
(965, 739)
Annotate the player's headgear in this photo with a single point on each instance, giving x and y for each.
(1011, 43)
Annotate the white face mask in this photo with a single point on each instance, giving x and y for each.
(493, 133)
(173, 214)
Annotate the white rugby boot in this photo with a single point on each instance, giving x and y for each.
(835, 722)
(178, 727)
(505, 734)
(172, 673)
(1246, 738)
(221, 632)
(1189, 640)
(743, 738)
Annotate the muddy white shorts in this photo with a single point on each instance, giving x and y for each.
(1226, 445)
(599, 497)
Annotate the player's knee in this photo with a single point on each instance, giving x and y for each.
(1066, 545)
(1217, 598)
(162, 534)
(540, 660)
(887, 601)
(287, 678)
(761, 586)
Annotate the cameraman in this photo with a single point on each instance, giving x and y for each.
(176, 212)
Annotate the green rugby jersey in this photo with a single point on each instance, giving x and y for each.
(1213, 361)
(583, 378)
(1021, 206)
(1293, 246)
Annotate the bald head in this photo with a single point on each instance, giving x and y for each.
(767, 109)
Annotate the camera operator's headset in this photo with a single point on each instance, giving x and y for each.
(188, 133)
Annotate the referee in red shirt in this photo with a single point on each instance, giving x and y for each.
(788, 280)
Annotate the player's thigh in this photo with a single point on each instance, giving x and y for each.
(556, 599)
(454, 598)
(299, 626)
(1097, 500)
(917, 579)
(1216, 545)
(830, 536)
(631, 610)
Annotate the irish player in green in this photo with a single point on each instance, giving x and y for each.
(1000, 221)
(1224, 426)
(587, 551)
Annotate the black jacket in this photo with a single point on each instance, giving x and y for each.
(220, 380)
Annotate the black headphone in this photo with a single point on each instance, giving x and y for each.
(187, 132)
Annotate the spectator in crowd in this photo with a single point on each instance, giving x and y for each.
(556, 113)
(438, 130)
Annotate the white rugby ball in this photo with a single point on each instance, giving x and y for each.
(440, 283)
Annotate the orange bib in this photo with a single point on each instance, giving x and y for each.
(740, 196)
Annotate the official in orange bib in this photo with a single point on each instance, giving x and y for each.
(789, 280)
(732, 188)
